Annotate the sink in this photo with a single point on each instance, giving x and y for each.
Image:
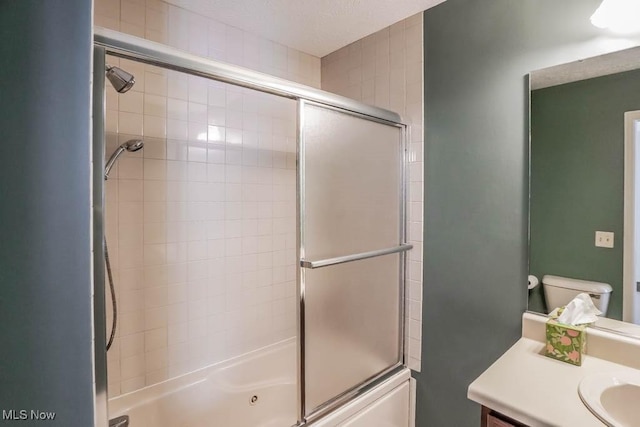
(613, 397)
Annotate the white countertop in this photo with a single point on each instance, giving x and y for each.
(536, 390)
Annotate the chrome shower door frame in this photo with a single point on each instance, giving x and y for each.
(97, 178)
(148, 52)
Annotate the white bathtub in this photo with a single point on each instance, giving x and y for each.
(221, 394)
(257, 389)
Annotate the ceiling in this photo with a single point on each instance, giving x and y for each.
(317, 27)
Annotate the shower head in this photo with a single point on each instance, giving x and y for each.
(120, 79)
(131, 145)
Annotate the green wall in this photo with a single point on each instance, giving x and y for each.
(577, 180)
(477, 55)
(46, 330)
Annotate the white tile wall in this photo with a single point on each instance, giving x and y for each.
(385, 69)
(182, 29)
(201, 222)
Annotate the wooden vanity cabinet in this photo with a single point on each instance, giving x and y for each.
(491, 418)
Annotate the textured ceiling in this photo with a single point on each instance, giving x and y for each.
(612, 63)
(317, 27)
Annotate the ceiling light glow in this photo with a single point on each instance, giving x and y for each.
(619, 16)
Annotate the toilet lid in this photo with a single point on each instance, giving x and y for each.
(577, 284)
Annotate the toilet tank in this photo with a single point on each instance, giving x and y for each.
(559, 291)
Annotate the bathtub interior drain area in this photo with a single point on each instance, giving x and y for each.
(254, 400)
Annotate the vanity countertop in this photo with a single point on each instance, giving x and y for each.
(536, 390)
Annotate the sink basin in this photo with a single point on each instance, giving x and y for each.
(613, 397)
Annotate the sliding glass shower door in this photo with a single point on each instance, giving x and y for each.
(351, 250)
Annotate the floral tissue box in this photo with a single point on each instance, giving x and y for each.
(566, 342)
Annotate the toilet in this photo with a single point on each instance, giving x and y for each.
(559, 291)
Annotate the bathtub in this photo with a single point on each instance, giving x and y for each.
(257, 389)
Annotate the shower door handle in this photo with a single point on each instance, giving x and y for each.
(354, 257)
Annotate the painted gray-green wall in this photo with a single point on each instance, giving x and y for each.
(577, 180)
(477, 56)
(45, 247)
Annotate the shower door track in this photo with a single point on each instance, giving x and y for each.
(131, 47)
(134, 48)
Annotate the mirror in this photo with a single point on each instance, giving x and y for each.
(585, 127)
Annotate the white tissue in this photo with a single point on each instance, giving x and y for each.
(579, 311)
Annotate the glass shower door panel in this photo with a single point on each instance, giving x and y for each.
(352, 173)
(351, 193)
(352, 325)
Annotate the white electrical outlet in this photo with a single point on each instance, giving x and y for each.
(604, 239)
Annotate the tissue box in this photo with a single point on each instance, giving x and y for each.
(566, 342)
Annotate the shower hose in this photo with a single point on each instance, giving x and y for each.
(114, 305)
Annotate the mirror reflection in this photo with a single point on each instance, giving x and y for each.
(585, 124)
